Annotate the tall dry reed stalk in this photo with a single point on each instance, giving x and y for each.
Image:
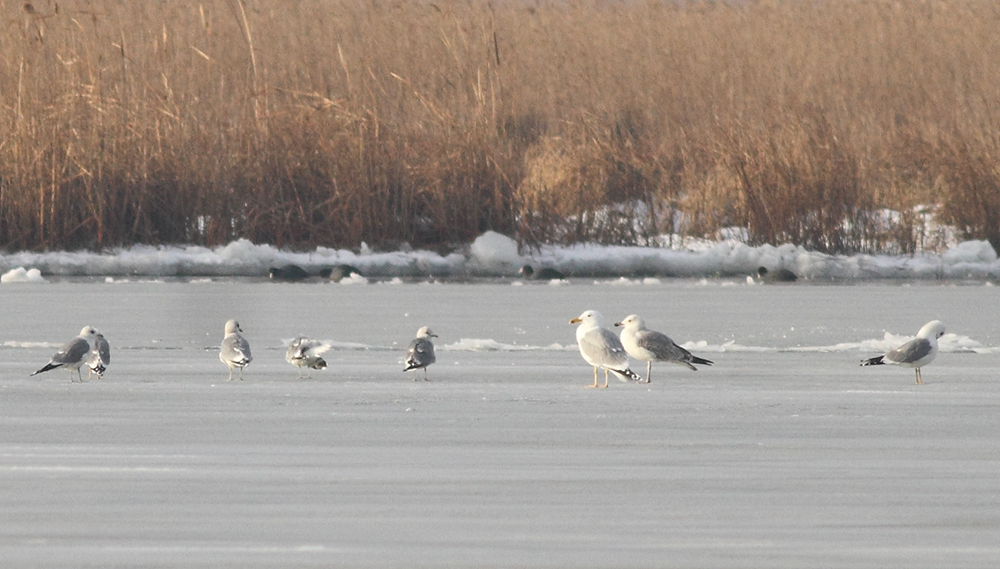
(331, 122)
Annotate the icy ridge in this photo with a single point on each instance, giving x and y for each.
(495, 255)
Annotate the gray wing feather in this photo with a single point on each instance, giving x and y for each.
(304, 352)
(298, 349)
(294, 352)
(910, 351)
(662, 346)
(101, 354)
(604, 348)
(420, 353)
(73, 352)
(236, 349)
(313, 348)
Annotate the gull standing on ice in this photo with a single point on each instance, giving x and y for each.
(916, 353)
(73, 354)
(601, 348)
(652, 346)
(305, 352)
(100, 358)
(420, 352)
(235, 350)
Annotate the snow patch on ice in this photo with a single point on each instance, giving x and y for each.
(488, 345)
(353, 279)
(17, 344)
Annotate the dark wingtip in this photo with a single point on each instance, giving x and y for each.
(877, 361)
(44, 369)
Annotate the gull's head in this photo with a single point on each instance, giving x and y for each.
(933, 329)
(590, 317)
(425, 332)
(631, 321)
(233, 326)
(88, 332)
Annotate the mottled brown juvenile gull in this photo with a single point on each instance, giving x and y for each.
(916, 353)
(652, 346)
(235, 350)
(73, 354)
(304, 352)
(601, 348)
(420, 352)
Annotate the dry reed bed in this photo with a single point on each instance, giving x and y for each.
(335, 122)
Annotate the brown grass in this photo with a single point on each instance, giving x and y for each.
(331, 122)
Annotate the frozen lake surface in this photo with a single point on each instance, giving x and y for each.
(785, 453)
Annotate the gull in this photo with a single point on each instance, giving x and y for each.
(601, 348)
(543, 274)
(100, 357)
(420, 352)
(916, 353)
(73, 354)
(652, 346)
(235, 350)
(305, 352)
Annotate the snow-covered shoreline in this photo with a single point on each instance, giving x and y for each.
(495, 255)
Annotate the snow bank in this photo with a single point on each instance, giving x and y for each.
(493, 253)
(496, 255)
(19, 275)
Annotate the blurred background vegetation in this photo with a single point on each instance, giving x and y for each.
(835, 125)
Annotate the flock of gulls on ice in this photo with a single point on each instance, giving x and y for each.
(599, 346)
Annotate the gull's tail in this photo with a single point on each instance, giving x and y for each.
(701, 361)
(877, 361)
(626, 374)
(47, 368)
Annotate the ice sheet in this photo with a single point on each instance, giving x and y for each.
(786, 456)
